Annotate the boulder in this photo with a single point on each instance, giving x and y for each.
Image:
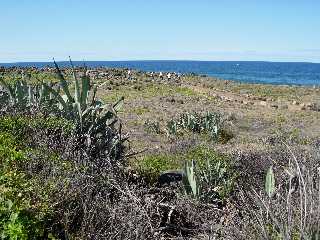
(296, 108)
(283, 106)
(263, 103)
(274, 106)
(170, 176)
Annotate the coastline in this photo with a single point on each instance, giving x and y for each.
(275, 73)
(147, 96)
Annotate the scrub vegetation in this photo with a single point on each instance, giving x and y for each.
(112, 156)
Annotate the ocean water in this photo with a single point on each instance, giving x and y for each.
(244, 71)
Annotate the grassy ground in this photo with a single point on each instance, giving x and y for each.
(253, 112)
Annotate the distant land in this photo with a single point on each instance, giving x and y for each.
(291, 73)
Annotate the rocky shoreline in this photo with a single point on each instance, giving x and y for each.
(104, 74)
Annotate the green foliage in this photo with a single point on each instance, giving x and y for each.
(141, 110)
(18, 126)
(22, 94)
(209, 123)
(212, 173)
(152, 127)
(16, 220)
(23, 198)
(147, 91)
(93, 120)
(172, 127)
(152, 165)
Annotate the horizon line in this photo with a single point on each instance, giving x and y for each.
(162, 60)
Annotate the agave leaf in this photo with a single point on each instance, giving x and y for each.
(19, 92)
(85, 86)
(9, 88)
(63, 82)
(60, 99)
(85, 91)
(42, 92)
(30, 93)
(77, 93)
(77, 108)
(191, 180)
(118, 105)
(95, 88)
(270, 182)
(87, 111)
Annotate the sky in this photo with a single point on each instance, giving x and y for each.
(249, 30)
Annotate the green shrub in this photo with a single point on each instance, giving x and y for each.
(208, 123)
(152, 127)
(16, 218)
(19, 126)
(24, 198)
(213, 174)
(152, 165)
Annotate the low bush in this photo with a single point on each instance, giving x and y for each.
(18, 219)
(288, 208)
(208, 123)
(209, 176)
(152, 127)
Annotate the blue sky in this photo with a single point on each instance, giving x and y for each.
(270, 30)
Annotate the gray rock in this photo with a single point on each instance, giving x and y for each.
(263, 103)
(170, 176)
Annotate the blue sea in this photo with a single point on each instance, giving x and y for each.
(292, 73)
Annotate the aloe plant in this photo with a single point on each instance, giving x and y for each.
(79, 105)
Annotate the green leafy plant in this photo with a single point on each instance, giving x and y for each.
(172, 127)
(95, 122)
(209, 123)
(208, 176)
(23, 94)
(16, 222)
(152, 127)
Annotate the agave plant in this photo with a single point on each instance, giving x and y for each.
(209, 123)
(95, 121)
(23, 94)
(172, 127)
(211, 181)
